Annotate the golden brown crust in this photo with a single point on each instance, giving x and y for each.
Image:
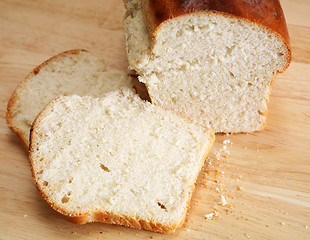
(14, 97)
(266, 13)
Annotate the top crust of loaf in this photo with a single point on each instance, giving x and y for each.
(266, 13)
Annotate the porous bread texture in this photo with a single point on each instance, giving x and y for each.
(211, 68)
(71, 72)
(117, 160)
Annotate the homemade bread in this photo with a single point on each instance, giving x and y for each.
(71, 72)
(212, 62)
(117, 160)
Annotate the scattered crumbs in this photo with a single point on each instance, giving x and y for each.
(213, 179)
(245, 148)
(74, 233)
(121, 233)
(25, 215)
(239, 188)
(286, 213)
(223, 201)
(282, 223)
(187, 229)
(306, 226)
(257, 150)
(209, 216)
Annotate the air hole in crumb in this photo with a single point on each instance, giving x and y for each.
(45, 183)
(280, 54)
(104, 168)
(69, 193)
(40, 172)
(250, 84)
(260, 113)
(59, 124)
(70, 181)
(65, 199)
(162, 206)
(41, 159)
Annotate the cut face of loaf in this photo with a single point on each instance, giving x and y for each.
(72, 72)
(117, 160)
(214, 68)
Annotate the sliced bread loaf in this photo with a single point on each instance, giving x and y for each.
(212, 62)
(117, 160)
(72, 72)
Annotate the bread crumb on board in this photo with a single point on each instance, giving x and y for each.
(211, 215)
(223, 200)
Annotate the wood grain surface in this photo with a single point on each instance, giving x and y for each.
(253, 186)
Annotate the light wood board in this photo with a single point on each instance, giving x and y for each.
(265, 178)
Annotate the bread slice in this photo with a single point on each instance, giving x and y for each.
(212, 62)
(117, 160)
(71, 72)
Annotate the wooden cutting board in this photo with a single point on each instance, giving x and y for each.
(258, 185)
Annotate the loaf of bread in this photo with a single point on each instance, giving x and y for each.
(212, 62)
(71, 72)
(117, 159)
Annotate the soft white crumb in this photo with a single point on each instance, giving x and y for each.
(25, 215)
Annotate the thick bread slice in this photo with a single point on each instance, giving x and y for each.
(117, 160)
(212, 62)
(70, 72)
